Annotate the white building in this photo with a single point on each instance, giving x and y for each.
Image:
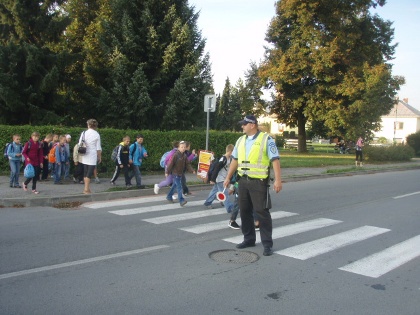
(401, 121)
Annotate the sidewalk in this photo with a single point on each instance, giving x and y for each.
(69, 192)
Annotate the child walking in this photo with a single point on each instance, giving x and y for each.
(14, 154)
(137, 153)
(33, 154)
(176, 167)
(61, 160)
(122, 162)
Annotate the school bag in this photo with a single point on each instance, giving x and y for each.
(163, 158)
(51, 155)
(6, 148)
(114, 153)
(214, 169)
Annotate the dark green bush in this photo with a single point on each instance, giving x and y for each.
(413, 141)
(280, 141)
(156, 142)
(388, 154)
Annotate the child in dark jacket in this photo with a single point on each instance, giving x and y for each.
(177, 166)
(33, 155)
(122, 162)
(61, 160)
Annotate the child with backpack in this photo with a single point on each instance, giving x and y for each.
(32, 152)
(137, 153)
(61, 160)
(78, 166)
(176, 167)
(217, 177)
(164, 163)
(14, 154)
(46, 147)
(122, 162)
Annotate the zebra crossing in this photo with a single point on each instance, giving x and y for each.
(374, 265)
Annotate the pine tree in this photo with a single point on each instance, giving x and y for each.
(31, 70)
(158, 43)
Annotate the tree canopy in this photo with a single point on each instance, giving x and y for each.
(128, 63)
(329, 61)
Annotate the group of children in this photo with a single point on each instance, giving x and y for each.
(50, 156)
(128, 159)
(53, 155)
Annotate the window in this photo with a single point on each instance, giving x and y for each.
(399, 125)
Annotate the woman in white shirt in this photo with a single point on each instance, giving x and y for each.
(93, 154)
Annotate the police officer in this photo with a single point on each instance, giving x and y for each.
(251, 157)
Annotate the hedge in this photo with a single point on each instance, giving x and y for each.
(388, 154)
(156, 142)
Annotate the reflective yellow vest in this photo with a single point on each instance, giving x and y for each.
(257, 164)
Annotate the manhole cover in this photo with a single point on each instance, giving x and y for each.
(233, 256)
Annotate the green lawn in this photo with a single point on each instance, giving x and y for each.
(314, 159)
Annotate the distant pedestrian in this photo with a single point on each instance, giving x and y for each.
(33, 154)
(14, 154)
(46, 147)
(176, 167)
(137, 152)
(122, 162)
(93, 155)
(61, 160)
(359, 151)
(67, 166)
(78, 165)
(168, 177)
(192, 155)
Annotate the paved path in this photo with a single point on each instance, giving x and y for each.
(51, 194)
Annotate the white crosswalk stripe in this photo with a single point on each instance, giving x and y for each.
(165, 207)
(122, 202)
(185, 216)
(330, 243)
(220, 225)
(383, 262)
(373, 266)
(291, 229)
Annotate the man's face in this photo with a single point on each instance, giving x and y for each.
(139, 140)
(247, 128)
(126, 141)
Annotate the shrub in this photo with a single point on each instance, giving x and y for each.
(156, 142)
(388, 154)
(413, 141)
(280, 141)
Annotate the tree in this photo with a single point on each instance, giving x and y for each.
(158, 41)
(31, 70)
(328, 62)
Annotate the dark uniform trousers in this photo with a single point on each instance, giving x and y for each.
(253, 197)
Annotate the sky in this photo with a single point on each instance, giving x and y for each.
(235, 36)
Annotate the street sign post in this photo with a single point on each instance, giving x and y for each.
(209, 106)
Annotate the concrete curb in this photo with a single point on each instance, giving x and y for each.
(75, 200)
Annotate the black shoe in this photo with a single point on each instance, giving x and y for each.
(245, 245)
(267, 251)
(234, 225)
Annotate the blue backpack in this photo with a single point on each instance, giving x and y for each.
(163, 158)
(6, 148)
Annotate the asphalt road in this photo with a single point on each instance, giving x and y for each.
(345, 245)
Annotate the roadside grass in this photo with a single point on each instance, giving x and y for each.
(314, 159)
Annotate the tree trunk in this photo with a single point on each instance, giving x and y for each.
(301, 122)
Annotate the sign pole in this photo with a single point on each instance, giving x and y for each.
(208, 123)
(209, 106)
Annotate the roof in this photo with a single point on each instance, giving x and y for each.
(403, 110)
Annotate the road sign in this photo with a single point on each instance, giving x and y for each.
(210, 103)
